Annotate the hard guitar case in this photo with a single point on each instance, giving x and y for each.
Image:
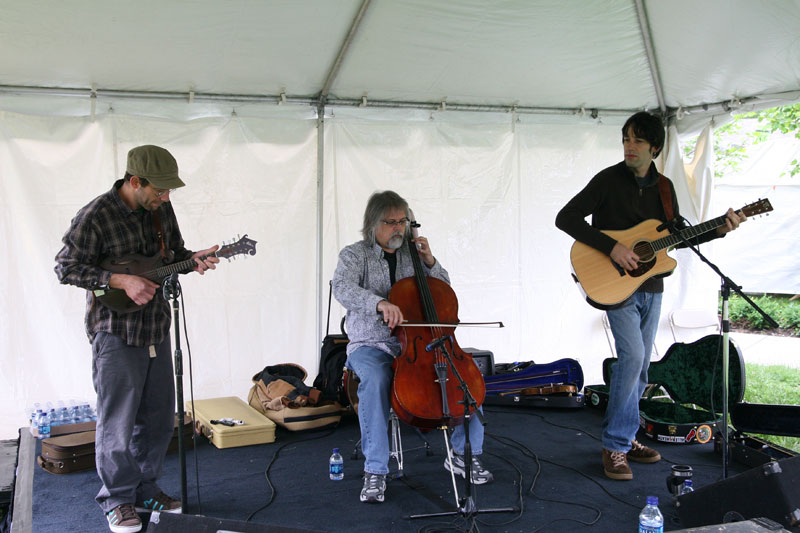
(688, 373)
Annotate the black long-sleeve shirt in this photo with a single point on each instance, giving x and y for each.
(618, 200)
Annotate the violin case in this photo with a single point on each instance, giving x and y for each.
(678, 405)
(74, 452)
(528, 384)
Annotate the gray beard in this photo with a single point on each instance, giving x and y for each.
(395, 242)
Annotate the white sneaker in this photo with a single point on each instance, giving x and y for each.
(374, 487)
(480, 475)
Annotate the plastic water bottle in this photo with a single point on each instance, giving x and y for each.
(63, 416)
(687, 487)
(650, 519)
(87, 413)
(35, 416)
(43, 425)
(75, 413)
(54, 418)
(35, 411)
(336, 466)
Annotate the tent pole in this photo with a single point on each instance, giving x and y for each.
(343, 51)
(320, 205)
(644, 27)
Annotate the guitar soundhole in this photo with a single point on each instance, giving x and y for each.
(647, 258)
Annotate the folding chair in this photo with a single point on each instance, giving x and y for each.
(396, 441)
(610, 339)
(703, 321)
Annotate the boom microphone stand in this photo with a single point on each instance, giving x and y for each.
(727, 285)
(466, 506)
(172, 290)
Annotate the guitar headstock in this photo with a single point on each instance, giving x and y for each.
(242, 246)
(757, 208)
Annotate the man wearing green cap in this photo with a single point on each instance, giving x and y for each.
(132, 365)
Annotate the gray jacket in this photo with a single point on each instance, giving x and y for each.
(361, 281)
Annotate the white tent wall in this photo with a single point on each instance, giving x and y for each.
(245, 175)
(485, 186)
(766, 255)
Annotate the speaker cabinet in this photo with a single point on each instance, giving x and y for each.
(484, 359)
(771, 490)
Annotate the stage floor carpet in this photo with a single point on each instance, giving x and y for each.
(546, 464)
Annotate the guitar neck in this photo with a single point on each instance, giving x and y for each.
(688, 233)
(181, 267)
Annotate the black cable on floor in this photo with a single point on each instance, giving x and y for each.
(522, 447)
(272, 461)
(530, 453)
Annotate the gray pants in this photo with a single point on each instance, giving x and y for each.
(135, 418)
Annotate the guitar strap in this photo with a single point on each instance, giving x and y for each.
(159, 234)
(666, 196)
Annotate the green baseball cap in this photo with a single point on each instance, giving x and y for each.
(156, 165)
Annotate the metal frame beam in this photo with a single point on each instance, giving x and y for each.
(655, 74)
(334, 71)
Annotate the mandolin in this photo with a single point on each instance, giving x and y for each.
(154, 269)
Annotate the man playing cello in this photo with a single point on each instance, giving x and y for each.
(364, 276)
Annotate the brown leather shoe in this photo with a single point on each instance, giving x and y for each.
(615, 465)
(640, 453)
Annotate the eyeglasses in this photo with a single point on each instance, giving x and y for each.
(161, 193)
(401, 222)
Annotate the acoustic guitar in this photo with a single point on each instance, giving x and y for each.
(606, 285)
(154, 269)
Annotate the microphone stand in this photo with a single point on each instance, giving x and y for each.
(172, 290)
(726, 286)
(466, 506)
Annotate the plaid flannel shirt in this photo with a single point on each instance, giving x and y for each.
(107, 228)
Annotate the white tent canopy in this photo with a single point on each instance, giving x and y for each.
(592, 55)
(285, 116)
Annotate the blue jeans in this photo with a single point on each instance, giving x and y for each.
(634, 326)
(374, 370)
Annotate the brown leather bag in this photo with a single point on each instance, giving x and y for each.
(271, 393)
(282, 402)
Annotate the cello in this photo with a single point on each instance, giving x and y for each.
(425, 392)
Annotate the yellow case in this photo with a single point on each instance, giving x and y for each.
(257, 428)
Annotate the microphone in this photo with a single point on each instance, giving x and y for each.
(672, 225)
(169, 285)
(438, 342)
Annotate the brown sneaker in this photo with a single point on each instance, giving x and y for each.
(615, 465)
(123, 519)
(640, 453)
(160, 503)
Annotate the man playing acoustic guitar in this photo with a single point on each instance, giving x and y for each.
(619, 198)
(131, 367)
